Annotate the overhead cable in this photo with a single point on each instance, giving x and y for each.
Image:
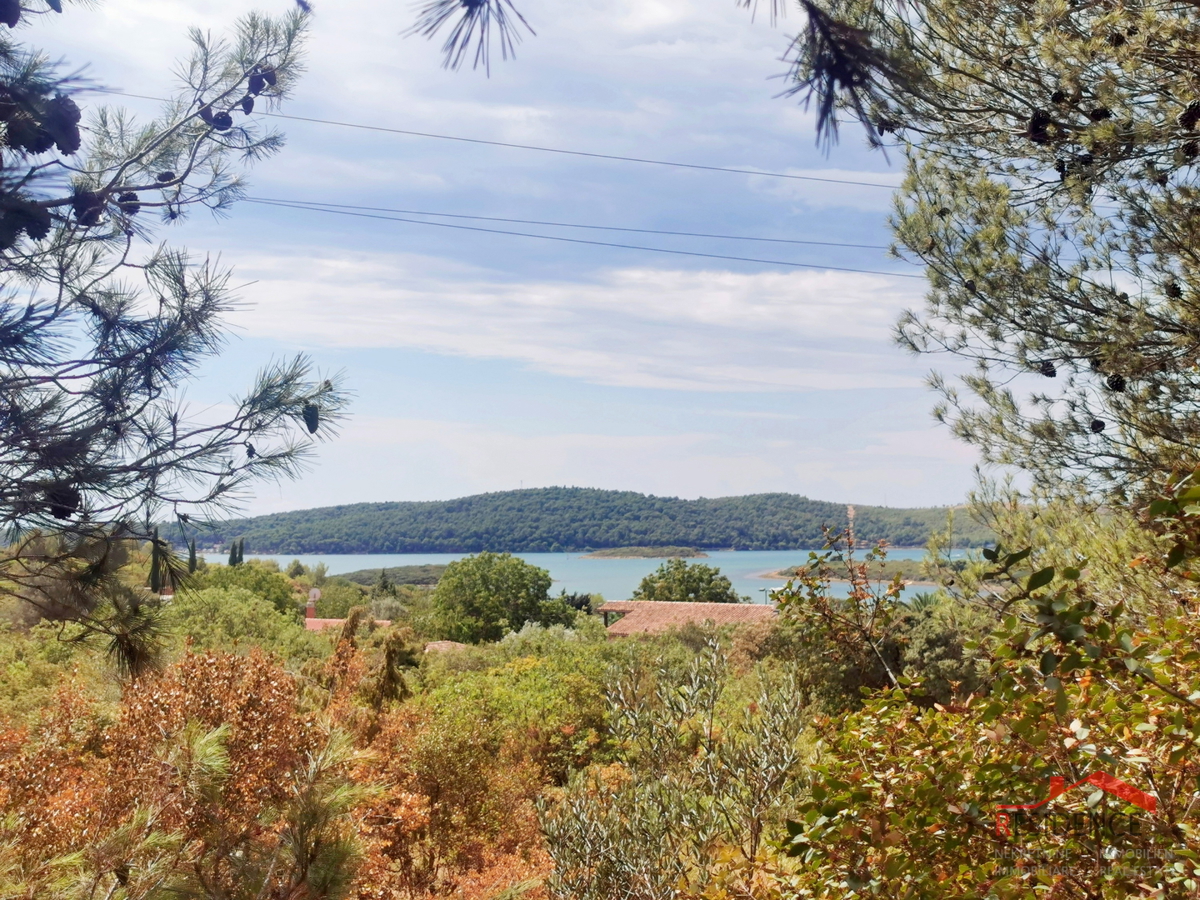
(547, 237)
(559, 150)
(700, 234)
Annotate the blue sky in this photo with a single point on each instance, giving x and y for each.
(486, 362)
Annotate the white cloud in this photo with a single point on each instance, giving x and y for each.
(637, 327)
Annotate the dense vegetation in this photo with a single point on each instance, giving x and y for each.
(677, 581)
(647, 553)
(857, 745)
(580, 519)
(397, 575)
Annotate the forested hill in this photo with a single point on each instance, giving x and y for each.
(550, 519)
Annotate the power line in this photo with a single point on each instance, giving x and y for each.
(700, 234)
(546, 237)
(559, 150)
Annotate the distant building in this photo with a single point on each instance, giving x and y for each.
(657, 616)
(312, 623)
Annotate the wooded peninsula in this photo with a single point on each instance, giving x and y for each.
(584, 519)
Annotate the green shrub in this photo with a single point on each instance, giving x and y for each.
(482, 598)
(258, 577)
(680, 581)
(236, 619)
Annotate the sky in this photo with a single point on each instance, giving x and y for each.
(486, 362)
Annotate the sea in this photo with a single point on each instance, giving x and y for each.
(750, 571)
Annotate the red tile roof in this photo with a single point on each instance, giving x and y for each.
(657, 616)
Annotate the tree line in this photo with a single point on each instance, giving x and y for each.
(579, 519)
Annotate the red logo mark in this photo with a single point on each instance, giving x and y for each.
(1102, 780)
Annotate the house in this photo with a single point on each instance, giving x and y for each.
(312, 623)
(657, 616)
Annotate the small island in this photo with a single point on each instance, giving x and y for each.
(909, 571)
(646, 553)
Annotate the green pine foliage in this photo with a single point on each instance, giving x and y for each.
(580, 519)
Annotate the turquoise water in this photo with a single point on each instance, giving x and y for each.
(616, 579)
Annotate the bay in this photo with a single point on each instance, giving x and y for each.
(615, 579)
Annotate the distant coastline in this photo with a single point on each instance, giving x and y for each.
(647, 553)
(581, 520)
(879, 571)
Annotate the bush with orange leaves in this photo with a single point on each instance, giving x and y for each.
(458, 815)
(453, 813)
(209, 781)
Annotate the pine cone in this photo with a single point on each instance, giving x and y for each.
(1190, 116)
(312, 417)
(247, 105)
(1047, 369)
(1173, 290)
(88, 207)
(1038, 129)
(10, 12)
(1097, 426)
(257, 83)
(62, 124)
(222, 121)
(63, 500)
(164, 177)
(30, 218)
(1115, 383)
(128, 203)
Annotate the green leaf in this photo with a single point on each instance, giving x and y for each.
(1013, 558)
(1070, 573)
(1158, 507)
(1060, 701)
(1040, 578)
(1175, 557)
(1049, 662)
(990, 555)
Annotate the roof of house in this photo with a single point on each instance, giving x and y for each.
(657, 616)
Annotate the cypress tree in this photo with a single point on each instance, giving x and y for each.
(233, 557)
(192, 556)
(156, 564)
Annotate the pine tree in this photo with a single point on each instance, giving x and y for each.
(98, 439)
(1053, 196)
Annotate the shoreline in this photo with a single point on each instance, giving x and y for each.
(780, 576)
